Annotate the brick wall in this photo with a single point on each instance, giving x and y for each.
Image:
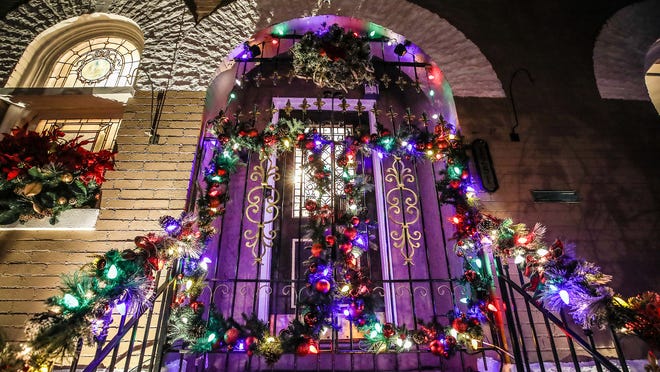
(149, 181)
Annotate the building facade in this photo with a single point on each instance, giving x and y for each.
(563, 93)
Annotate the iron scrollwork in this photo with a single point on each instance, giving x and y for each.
(262, 209)
(402, 210)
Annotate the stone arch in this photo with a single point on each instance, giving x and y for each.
(620, 51)
(465, 67)
(162, 23)
(180, 54)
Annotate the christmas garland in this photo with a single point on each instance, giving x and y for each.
(333, 58)
(42, 175)
(125, 280)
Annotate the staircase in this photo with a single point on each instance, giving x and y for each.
(534, 340)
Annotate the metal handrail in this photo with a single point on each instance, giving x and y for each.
(123, 329)
(507, 284)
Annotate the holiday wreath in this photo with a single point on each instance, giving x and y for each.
(333, 58)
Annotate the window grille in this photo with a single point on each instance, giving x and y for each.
(100, 132)
(98, 62)
(303, 186)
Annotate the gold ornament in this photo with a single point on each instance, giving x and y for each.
(66, 177)
(73, 201)
(32, 189)
(62, 200)
(37, 208)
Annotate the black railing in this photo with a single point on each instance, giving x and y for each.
(125, 350)
(524, 314)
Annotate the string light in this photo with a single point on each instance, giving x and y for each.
(70, 301)
(112, 272)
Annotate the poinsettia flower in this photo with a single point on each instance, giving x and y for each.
(11, 174)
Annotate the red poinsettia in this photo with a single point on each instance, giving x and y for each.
(22, 149)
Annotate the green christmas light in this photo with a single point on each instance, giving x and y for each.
(387, 143)
(112, 272)
(454, 171)
(70, 301)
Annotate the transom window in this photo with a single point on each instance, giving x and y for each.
(100, 132)
(98, 62)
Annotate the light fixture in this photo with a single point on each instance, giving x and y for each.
(255, 51)
(513, 135)
(400, 49)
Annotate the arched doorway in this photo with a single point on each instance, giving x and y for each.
(261, 255)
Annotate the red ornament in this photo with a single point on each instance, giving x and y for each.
(214, 202)
(460, 325)
(302, 349)
(242, 133)
(311, 205)
(195, 305)
(251, 340)
(355, 221)
(309, 145)
(323, 286)
(455, 184)
(300, 137)
(221, 172)
(231, 336)
(465, 174)
(348, 189)
(217, 190)
(317, 249)
(253, 133)
(437, 348)
(350, 233)
(442, 144)
(366, 138)
(388, 330)
(330, 240)
(346, 247)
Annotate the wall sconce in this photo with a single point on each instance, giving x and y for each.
(400, 49)
(513, 135)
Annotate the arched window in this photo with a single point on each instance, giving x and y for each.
(97, 62)
(98, 51)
